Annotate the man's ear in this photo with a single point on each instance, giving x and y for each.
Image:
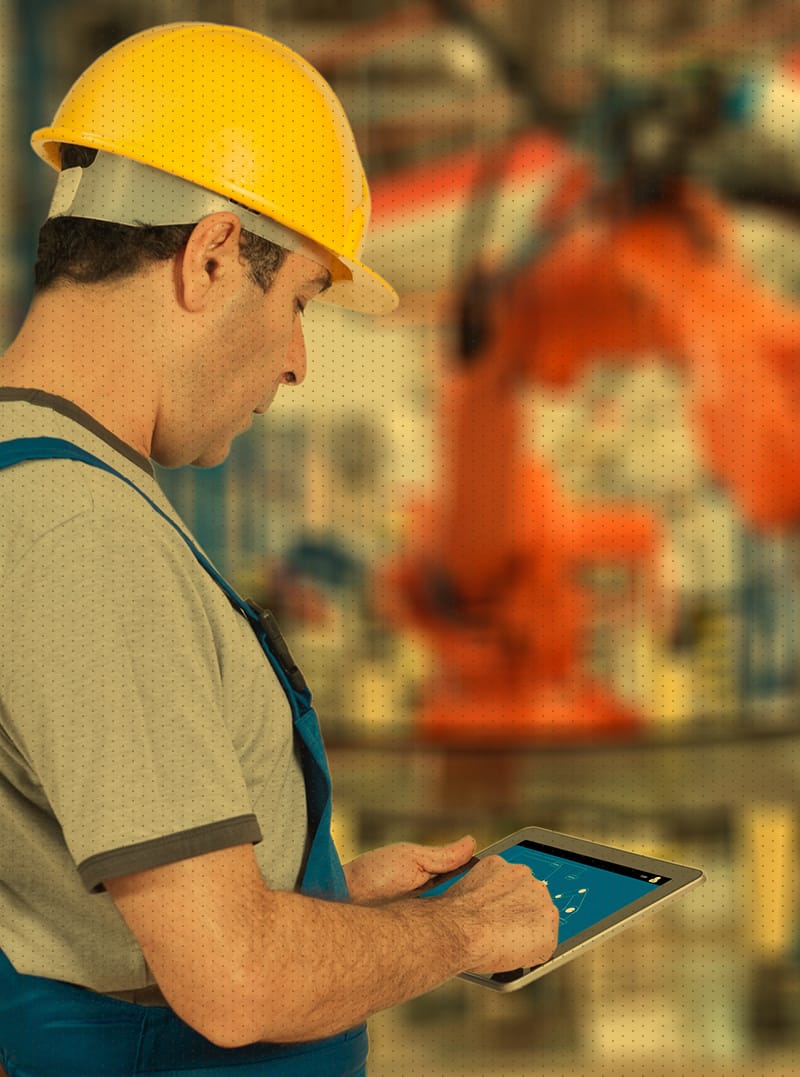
(211, 253)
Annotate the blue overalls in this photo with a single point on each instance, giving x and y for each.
(54, 1029)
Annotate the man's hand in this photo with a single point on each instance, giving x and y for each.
(395, 870)
(508, 916)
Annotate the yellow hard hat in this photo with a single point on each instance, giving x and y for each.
(238, 114)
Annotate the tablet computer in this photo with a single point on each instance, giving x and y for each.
(598, 891)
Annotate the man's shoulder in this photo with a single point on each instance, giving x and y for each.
(40, 495)
(75, 500)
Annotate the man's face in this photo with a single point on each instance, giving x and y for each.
(256, 345)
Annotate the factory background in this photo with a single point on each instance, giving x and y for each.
(533, 536)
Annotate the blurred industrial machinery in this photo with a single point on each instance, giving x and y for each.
(630, 258)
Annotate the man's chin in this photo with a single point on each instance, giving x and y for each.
(212, 457)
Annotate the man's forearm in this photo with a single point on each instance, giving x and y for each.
(320, 967)
(241, 963)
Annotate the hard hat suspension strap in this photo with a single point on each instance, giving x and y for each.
(123, 191)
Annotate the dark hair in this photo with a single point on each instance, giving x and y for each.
(87, 252)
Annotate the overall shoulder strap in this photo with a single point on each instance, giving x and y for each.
(46, 448)
(21, 449)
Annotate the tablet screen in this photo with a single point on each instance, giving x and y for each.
(584, 890)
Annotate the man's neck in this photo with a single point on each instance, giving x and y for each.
(83, 344)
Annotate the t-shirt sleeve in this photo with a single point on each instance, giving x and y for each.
(113, 694)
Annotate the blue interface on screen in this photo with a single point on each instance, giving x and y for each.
(583, 890)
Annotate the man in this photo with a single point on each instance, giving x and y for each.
(170, 897)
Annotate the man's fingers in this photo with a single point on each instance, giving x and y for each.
(446, 857)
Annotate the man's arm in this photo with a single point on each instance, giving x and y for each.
(241, 963)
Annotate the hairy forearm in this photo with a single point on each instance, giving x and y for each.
(320, 967)
(241, 964)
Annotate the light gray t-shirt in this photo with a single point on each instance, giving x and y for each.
(140, 722)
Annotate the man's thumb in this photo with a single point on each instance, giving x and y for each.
(460, 851)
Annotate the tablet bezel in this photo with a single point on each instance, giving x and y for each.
(680, 879)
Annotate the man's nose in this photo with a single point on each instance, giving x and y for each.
(296, 355)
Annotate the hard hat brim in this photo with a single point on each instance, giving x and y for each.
(365, 292)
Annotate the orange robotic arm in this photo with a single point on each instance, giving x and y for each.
(742, 346)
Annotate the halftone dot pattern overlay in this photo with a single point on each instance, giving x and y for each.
(531, 537)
